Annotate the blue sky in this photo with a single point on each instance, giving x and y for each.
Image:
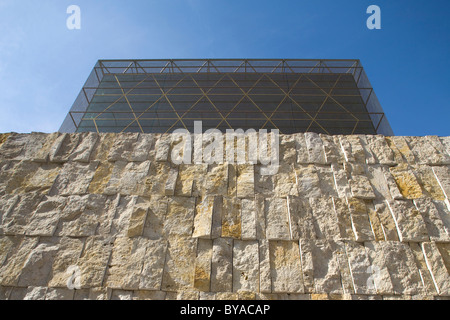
(43, 65)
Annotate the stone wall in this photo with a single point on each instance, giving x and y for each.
(344, 217)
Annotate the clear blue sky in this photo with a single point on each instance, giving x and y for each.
(43, 65)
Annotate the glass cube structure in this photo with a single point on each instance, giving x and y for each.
(291, 95)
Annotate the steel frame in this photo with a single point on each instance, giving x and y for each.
(226, 68)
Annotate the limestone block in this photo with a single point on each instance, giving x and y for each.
(433, 222)
(380, 149)
(346, 148)
(207, 296)
(216, 223)
(202, 273)
(8, 203)
(361, 187)
(232, 181)
(378, 182)
(370, 157)
(360, 220)
(222, 265)
(332, 149)
(245, 181)
(123, 147)
(149, 295)
(285, 181)
(155, 182)
(260, 217)
(265, 282)
(353, 148)
(16, 219)
(427, 179)
(380, 277)
(361, 268)
(425, 273)
(180, 264)
(14, 145)
(38, 266)
(137, 221)
(444, 214)
(100, 293)
(392, 185)
(301, 148)
(445, 141)
(245, 266)
(326, 181)
(3, 137)
(315, 148)
(59, 294)
(277, 219)
(216, 181)
(408, 220)
(203, 218)
(103, 147)
(169, 189)
(338, 248)
(101, 177)
(400, 263)
(308, 181)
(64, 147)
(126, 176)
(386, 219)
(82, 215)
(400, 144)
(444, 250)
(180, 217)
(31, 176)
(264, 184)
(428, 150)
(144, 148)
(437, 267)
(93, 261)
(153, 264)
(248, 219)
(34, 293)
(375, 222)
(162, 148)
(288, 151)
(74, 179)
(126, 263)
(285, 266)
(121, 295)
(38, 146)
(324, 218)
(16, 258)
(83, 151)
(320, 261)
(231, 218)
(45, 218)
(65, 260)
(406, 182)
(442, 174)
(186, 176)
(341, 180)
(344, 220)
(301, 218)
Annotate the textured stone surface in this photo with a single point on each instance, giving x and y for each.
(343, 218)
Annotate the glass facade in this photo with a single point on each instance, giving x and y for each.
(159, 96)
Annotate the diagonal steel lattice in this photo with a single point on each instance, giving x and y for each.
(227, 75)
